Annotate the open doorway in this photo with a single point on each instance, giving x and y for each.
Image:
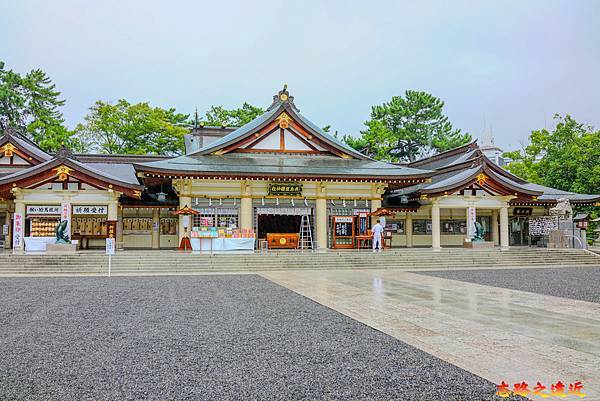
(277, 224)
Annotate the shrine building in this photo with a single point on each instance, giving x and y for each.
(278, 182)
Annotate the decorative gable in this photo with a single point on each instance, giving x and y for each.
(281, 129)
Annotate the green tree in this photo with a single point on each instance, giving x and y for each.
(125, 128)
(407, 128)
(567, 158)
(30, 104)
(220, 116)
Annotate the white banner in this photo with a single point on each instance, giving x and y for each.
(65, 215)
(43, 210)
(471, 218)
(90, 209)
(18, 227)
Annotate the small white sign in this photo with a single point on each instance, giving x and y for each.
(5, 229)
(90, 209)
(343, 219)
(110, 246)
(43, 210)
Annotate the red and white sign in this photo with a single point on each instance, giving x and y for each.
(18, 228)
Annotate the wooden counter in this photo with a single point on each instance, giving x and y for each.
(282, 241)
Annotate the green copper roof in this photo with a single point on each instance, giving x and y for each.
(285, 165)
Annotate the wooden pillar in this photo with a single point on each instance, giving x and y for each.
(184, 201)
(494, 228)
(408, 230)
(8, 237)
(246, 213)
(246, 210)
(321, 217)
(435, 228)
(375, 204)
(119, 228)
(504, 228)
(156, 228)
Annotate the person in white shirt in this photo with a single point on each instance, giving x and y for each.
(377, 236)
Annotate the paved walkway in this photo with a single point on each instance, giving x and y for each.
(496, 333)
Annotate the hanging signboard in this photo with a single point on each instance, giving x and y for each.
(522, 211)
(44, 210)
(18, 231)
(280, 211)
(284, 189)
(471, 217)
(90, 209)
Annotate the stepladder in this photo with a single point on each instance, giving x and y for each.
(305, 237)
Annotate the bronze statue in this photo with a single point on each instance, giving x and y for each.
(479, 232)
(61, 236)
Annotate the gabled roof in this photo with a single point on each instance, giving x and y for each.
(32, 152)
(65, 163)
(234, 154)
(461, 167)
(282, 102)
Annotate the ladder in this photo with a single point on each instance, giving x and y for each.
(306, 238)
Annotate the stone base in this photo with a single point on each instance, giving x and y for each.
(478, 245)
(61, 248)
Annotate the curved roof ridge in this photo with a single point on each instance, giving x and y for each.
(281, 102)
(471, 145)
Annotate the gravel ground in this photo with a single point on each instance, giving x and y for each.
(581, 283)
(203, 337)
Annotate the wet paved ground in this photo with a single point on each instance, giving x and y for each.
(582, 283)
(496, 333)
(203, 337)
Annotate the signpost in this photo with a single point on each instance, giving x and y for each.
(110, 250)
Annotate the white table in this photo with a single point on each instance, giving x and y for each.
(38, 243)
(222, 244)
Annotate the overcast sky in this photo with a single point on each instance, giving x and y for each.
(506, 65)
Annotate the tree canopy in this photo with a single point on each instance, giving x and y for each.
(125, 128)
(30, 104)
(566, 157)
(220, 116)
(407, 128)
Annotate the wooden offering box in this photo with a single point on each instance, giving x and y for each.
(282, 241)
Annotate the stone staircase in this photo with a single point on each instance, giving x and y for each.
(173, 262)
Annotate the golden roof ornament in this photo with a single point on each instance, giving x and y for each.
(8, 149)
(481, 179)
(283, 97)
(63, 172)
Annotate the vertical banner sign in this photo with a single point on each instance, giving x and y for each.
(65, 215)
(471, 217)
(110, 250)
(18, 230)
(110, 246)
